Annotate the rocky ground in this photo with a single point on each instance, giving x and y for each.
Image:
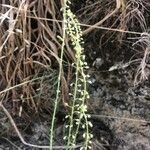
(122, 108)
(120, 114)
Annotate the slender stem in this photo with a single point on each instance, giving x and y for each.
(59, 77)
(82, 113)
(73, 105)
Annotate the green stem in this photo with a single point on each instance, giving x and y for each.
(59, 77)
(73, 107)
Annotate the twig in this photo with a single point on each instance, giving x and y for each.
(121, 118)
(87, 25)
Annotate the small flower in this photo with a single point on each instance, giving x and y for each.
(90, 124)
(65, 137)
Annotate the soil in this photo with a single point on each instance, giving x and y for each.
(122, 108)
(119, 112)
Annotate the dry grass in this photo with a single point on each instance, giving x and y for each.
(29, 47)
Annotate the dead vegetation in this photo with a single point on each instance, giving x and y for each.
(30, 48)
(119, 33)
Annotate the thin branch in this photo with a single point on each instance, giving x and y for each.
(121, 118)
(91, 26)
